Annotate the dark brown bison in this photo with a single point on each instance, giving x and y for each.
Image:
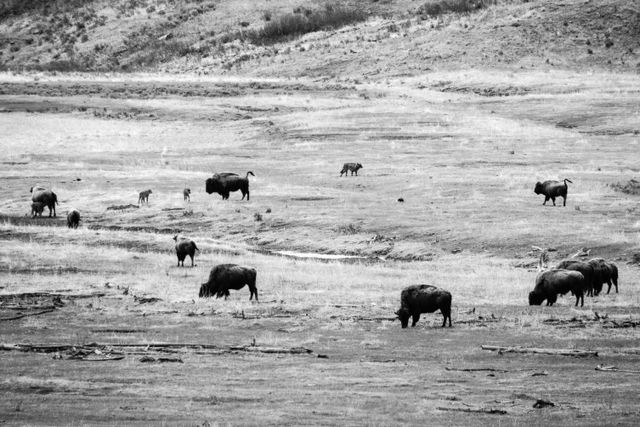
(186, 194)
(350, 167)
(47, 197)
(585, 268)
(36, 209)
(605, 272)
(224, 183)
(417, 299)
(185, 247)
(551, 190)
(550, 283)
(73, 218)
(229, 276)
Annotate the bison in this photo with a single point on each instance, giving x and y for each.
(47, 197)
(605, 272)
(585, 268)
(73, 218)
(550, 283)
(224, 183)
(36, 209)
(185, 247)
(551, 190)
(417, 299)
(229, 276)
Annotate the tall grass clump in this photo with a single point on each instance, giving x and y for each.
(296, 24)
(441, 7)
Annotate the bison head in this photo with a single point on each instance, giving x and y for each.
(205, 291)
(211, 185)
(539, 188)
(403, 315)
(535, 299)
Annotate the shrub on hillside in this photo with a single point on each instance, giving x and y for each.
(296, 24)
(441, 7)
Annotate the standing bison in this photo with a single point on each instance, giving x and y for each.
(550, 283)
(551, 190)
(73, 218)
(185, 247)
(587, 271)
(605, 272)
(229, 276)
(224, 183)
(47, 197)
(417, 299)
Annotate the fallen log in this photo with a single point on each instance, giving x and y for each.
(20, 316)
(475, 410)
(51, 348)
(615, 369)
(475, 369)
(557, 352)
(25, 295)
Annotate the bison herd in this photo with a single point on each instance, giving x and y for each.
(573, 276)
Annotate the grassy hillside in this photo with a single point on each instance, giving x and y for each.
(371, 38)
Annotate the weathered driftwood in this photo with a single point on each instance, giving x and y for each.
(25, 295)
(552, 351)
(20, 316)
(52, 348)
(475, 410)
(475, 369)
(615, 369)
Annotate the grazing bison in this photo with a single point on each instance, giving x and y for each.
(144, 197)
(47, 197)
(550, 283)
(417, 299)
(350, 167)
(229, 276)
(551, 190)
(605, 272)
(185, 247)
(73, 218)
(585, 268)
(186, 193)
(36, 209)
(224, 183)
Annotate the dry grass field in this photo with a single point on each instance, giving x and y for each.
(463, 149)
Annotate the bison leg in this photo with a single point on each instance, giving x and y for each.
(546, 199)
(446, 314)
(564, 200)
(553, 199)
(253, 291)
(191, 261)
(415, 318)
(579, 296)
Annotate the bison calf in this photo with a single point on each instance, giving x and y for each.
(73, 218)
(550, 283)
(418, 299)
(185, 247)
(551, 190)
(229, 276)
(36, 209)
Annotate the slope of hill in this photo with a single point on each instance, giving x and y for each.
(385, 38)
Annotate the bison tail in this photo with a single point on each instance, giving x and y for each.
(195, 247)
(249, 173)
(567, 180)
